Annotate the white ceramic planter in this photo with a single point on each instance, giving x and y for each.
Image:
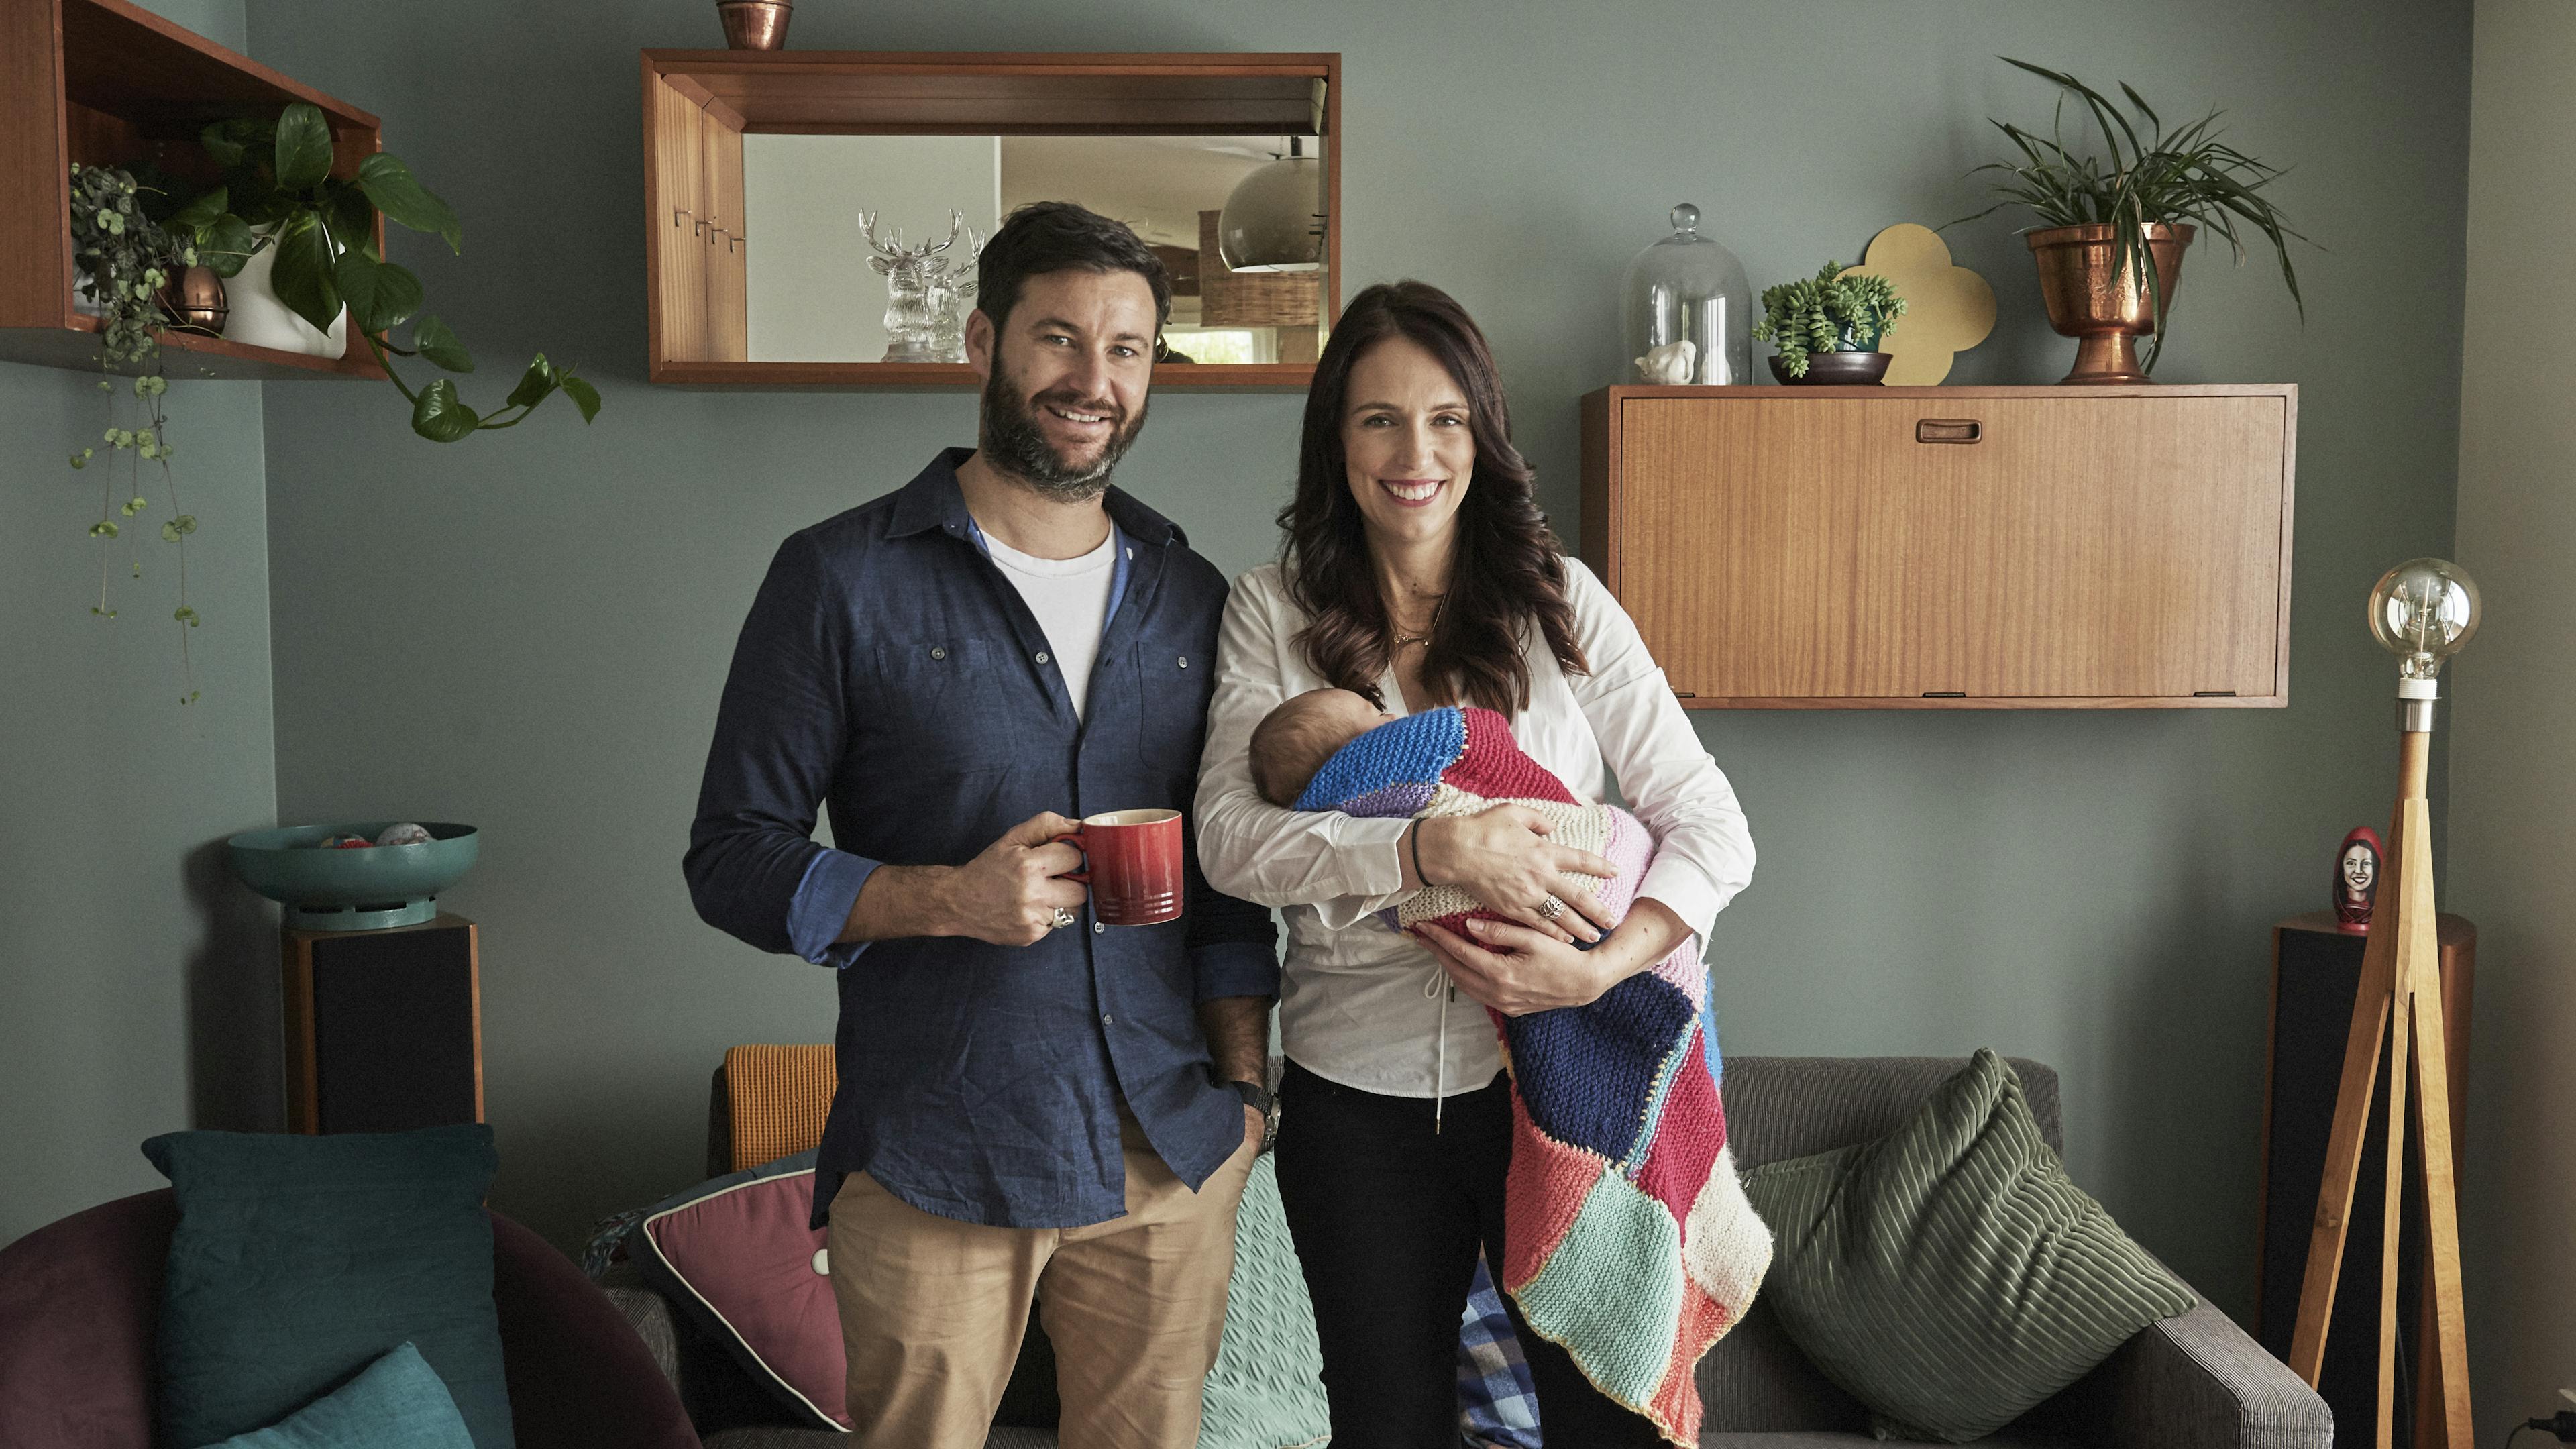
(261, 320)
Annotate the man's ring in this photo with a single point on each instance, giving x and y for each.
(1063, 918)
(1551, 908)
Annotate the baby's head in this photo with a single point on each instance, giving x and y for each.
(1293, 741)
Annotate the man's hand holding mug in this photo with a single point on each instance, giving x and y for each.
(1135, 857)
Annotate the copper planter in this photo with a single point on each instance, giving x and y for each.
(2103, 305)
(194, 300)
(755, 24)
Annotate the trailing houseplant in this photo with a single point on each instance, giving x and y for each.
(278, 192)
(1833, 311)
(2131, 210)
(124, 259)
(129, 243)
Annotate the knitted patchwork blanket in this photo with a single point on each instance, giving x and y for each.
(1627, 1238)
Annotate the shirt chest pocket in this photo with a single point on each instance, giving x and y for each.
(1170, 702)
(942, 705)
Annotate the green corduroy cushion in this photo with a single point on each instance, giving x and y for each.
(1267, 1389)
(1950, 1275)
(299, 1261)
(398, 1402)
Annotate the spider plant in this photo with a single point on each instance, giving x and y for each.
(2152, 175)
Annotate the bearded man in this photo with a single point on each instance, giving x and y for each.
(1033, 1106)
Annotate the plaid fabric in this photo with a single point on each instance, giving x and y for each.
(1497, 1403)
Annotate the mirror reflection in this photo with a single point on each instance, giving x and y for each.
(861, 248)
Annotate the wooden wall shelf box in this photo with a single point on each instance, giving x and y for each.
(108, 83)
(1949, 547)
(699, 104)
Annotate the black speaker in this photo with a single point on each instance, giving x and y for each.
(2316, 973)
(384, 1029)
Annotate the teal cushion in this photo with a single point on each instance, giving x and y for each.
(298, 1261)
(1267, 1389)
(1950, 1275)
(397, 1402)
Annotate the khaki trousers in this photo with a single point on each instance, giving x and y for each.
(933, 1310)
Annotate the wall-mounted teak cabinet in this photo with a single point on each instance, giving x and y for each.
(1949, 547)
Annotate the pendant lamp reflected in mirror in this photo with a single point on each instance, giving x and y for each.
(1274, 220)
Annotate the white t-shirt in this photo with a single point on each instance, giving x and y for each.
(1352, 1003)
(1070, 597)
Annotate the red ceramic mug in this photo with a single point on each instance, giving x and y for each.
(1135, 860)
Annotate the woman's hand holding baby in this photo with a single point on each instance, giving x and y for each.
(1516, 970)
(1503, 858)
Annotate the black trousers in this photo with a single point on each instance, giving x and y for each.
(1387, 1216)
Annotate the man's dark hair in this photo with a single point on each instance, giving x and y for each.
(1059, 236)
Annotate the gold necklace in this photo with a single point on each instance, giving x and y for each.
(1403, 640)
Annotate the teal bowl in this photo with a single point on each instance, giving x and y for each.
(353, 890)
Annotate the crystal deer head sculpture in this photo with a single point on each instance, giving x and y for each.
(952, 281)
(909, 272)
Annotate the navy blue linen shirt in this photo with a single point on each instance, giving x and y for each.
(890, 669)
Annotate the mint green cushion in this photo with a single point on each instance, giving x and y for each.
(299, 1261)
(1267, 1389)
(1950, 1275)
(397, 1402)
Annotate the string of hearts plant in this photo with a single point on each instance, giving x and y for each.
(279, 193)
(124, 258)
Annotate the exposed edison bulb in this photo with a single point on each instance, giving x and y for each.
(2422, 611)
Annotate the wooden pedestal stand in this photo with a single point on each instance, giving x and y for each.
(2400, 1006)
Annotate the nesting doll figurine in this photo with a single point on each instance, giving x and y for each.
(2356, 885)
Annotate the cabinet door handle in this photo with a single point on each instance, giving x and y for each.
(1947, 430)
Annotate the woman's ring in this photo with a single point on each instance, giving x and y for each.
(1063, 918)
(1551, 908)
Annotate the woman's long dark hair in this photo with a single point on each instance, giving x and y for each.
(1507, 571)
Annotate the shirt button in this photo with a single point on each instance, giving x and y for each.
(1185, 661)
(1097, 928)
(939, 652)
(1042, 658)
(1105, 1019)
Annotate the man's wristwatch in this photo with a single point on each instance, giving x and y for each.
(1258, 1098)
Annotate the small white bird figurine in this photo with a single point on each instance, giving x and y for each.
(1673, 363)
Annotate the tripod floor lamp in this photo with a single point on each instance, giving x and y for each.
(2422, 611)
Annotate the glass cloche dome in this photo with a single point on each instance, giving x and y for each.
(1687, 310)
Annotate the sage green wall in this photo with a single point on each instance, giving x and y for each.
(136, 992)
(528, 630)
(2513, 758)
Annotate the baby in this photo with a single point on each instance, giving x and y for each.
(1293, 741)
(1330, 749)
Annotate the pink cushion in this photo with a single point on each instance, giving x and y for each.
(737, 1254)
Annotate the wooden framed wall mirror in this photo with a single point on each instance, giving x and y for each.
(805, 210)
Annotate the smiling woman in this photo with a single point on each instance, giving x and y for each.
(1418, 571)
(1412, 502)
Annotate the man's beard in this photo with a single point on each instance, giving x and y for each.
(1014, 441)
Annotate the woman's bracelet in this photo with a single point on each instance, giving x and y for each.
(1413, 834)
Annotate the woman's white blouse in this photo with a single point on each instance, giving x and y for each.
(1352, 1004)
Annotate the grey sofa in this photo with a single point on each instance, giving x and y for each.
(2196, 1381)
